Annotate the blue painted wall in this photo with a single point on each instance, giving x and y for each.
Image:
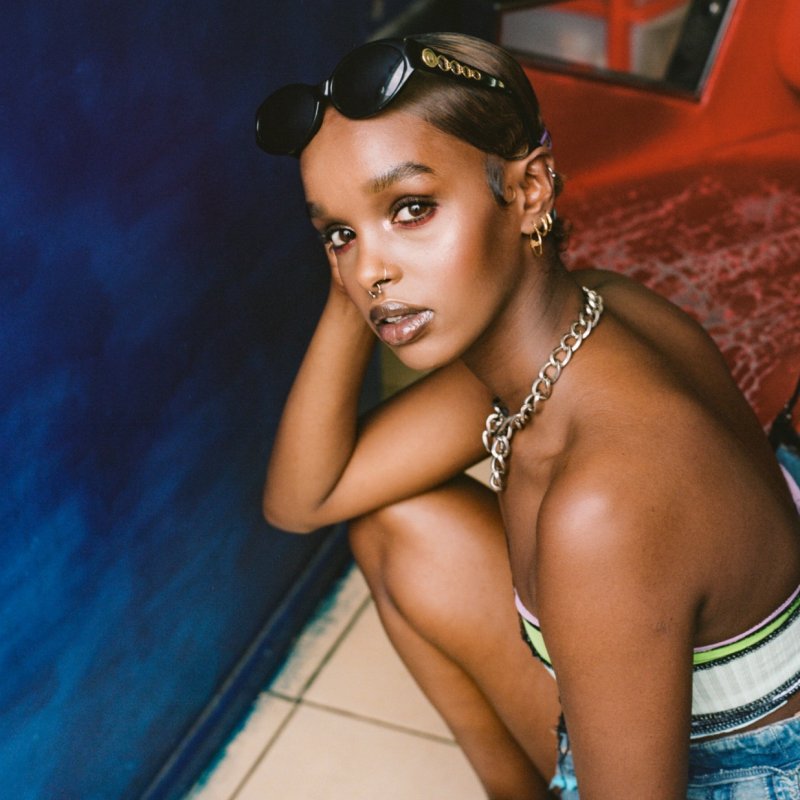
(158, 284)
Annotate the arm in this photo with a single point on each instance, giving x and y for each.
(326, 466)
(618, 607)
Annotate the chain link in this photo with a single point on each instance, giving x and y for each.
(501, 426)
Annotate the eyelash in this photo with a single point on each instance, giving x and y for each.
(427, 206)
(327, 238)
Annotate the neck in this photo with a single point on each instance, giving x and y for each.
(502, 424)
(513, 349)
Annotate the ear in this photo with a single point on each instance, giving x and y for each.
(533, 179)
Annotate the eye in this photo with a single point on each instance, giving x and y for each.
(413, 211)
(338, 238)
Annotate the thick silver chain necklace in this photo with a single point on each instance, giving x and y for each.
(501, 426)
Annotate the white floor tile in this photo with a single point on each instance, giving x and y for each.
(321, 635)
(243, 752)
(366, 677)
(322, 755)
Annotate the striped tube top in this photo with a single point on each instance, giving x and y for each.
(735, 682)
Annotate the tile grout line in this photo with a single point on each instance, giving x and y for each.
(325, 660)
(267, 747)
(379, 723)
(297, 701)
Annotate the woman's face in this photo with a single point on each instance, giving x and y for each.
(397, 200)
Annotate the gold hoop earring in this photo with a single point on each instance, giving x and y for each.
(540, 230)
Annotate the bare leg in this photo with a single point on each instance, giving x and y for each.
(437, 566)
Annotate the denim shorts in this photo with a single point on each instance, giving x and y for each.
(763, 764)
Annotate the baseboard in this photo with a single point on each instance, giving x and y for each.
(262, 660)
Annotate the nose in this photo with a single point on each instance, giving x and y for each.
(372, 268)
(376, 290)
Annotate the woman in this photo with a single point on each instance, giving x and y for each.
(637, 511)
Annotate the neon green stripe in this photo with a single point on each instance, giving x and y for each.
(748, 641)
(537, 641)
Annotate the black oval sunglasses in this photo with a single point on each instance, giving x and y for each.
(365, 82)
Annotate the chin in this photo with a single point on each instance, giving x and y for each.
(422, 359)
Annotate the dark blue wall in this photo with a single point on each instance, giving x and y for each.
(158, 283)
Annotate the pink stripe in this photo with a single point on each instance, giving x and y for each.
(524, 611)
(769, 619)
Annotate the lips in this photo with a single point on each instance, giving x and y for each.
(398, 324)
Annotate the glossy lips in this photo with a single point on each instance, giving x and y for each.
(398, 324)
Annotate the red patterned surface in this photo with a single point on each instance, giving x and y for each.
(722, 240)
(699, 197)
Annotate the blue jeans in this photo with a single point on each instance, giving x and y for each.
(758, 765)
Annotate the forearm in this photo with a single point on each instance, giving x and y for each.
(318, 428)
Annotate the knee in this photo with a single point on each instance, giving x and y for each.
(389, 534)
(415, 551)
(405, 527)
(395, 549)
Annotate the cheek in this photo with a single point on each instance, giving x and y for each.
(347, 282)
(476, 241)
(350, 285)
(337, 277)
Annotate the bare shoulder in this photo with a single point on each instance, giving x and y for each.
(685, 350)
(630, 494)
(611, 496)
(617, 609)
(637, 304)
(597, 278)
(662, 499)
(604, 279)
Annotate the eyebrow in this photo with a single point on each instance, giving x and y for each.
(408, 169)
(314, 211)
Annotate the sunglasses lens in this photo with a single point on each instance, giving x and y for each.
(367, 79)
(287, 119)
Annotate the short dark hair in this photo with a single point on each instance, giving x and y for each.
(502, 126)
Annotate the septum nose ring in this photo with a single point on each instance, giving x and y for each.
(377, 289)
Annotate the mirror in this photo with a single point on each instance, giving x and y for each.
(667, 44)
